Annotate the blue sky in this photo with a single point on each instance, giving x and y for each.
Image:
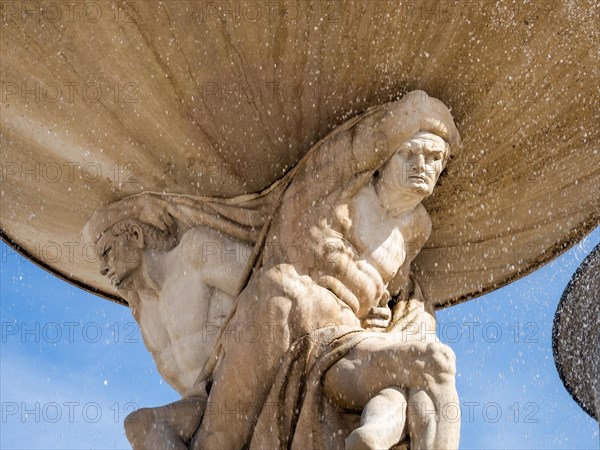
(73, 364)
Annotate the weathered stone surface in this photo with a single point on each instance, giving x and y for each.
(342, 341)
(200, 101)
(576, 335)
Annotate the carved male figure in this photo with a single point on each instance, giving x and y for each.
(397, 190)
(354, 231)
(179, 293)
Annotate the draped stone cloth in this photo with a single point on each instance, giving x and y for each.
(296, 413)
(244, 217)
(345, 161)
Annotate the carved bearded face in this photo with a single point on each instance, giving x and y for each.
(121, 256)
(415, 167)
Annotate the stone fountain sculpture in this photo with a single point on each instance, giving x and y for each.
(290, 318)
(180, 97)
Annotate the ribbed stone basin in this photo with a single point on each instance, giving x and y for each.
(221, 98)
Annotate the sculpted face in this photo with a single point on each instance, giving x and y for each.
(414, 169)
(121, 256)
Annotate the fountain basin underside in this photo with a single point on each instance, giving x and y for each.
(166, 97)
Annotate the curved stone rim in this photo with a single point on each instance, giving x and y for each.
(48, 268)
(570, 239)
(566, 296)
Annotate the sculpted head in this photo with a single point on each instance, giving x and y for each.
(420, 132)
(121, 250)
(412, 172)
(416, 166)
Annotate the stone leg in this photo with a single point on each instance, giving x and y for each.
(166, 427)
(378, 363)
(244, 376)
(421, 420)
(381, 423)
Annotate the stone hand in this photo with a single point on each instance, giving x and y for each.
(378, 317)
(155, 211)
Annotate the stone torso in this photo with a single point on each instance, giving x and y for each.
(181, 342)
(351, 246)
(180, 324)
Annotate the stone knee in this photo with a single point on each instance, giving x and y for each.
(441, 362)
(275, 307)
(421, 411)
(137, 425)
(271, 318)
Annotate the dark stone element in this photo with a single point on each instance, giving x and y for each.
(576, 335)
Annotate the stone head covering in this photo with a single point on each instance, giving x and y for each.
(373, 137)
(347, 157)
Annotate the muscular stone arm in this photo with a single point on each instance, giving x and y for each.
(412, 312)
(419, 234)
(357, 148)
(362, 145)
(219, 259)
(240, 217)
